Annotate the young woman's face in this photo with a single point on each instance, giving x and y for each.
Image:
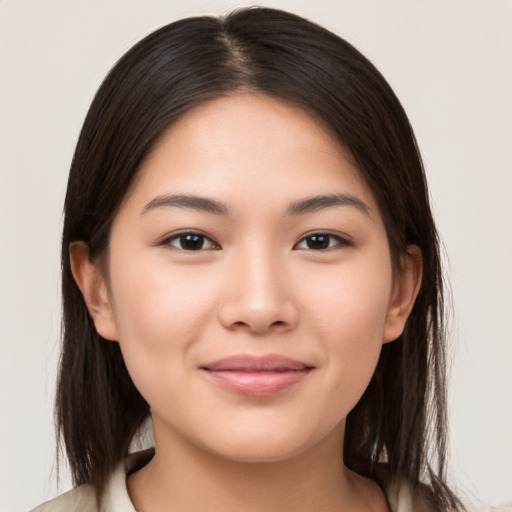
(250, 282)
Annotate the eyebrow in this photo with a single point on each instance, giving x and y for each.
(204, 204)
(191, 202)
(316, 203)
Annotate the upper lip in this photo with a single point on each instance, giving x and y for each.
(248, 363)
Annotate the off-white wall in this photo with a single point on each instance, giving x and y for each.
(450, 62)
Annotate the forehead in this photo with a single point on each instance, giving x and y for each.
(249, 145)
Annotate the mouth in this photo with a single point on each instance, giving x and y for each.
(257, 376)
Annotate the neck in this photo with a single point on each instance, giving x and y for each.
(184, 477)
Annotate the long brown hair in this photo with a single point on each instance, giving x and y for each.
(401, 418)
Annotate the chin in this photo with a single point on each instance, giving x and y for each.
(266, 445)
(258, 451)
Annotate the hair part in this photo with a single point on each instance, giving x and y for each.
(401, 418)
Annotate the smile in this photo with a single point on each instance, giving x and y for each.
(256, 376)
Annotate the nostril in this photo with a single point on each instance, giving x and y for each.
(259, 317)
(277, 323)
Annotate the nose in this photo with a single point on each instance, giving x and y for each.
(257, 297)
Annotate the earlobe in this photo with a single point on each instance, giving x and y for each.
(91, 281)
(406, 287)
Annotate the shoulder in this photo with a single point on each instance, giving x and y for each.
(79, 499)
(401, 498)
(114, 498)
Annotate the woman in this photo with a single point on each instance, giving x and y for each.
(249, 258)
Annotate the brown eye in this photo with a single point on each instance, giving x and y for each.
(321, 241)
(191, 242)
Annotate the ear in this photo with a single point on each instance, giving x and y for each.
(406, 286)
(91, 281)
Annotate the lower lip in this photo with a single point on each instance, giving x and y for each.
(257, 383)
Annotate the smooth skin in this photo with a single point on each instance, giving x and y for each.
(259, 271)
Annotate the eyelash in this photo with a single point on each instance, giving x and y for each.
(181, 236)
(337, 239)
(333, 241)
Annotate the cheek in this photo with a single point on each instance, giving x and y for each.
(159, 315)
(352, 300)
(350, 316)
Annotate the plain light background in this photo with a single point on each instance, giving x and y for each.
(450, 63)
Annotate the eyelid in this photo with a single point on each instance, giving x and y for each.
(342, 240)
(166, 241)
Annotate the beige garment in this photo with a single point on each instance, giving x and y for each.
(116, 499)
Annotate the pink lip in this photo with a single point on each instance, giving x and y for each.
(257, 376)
